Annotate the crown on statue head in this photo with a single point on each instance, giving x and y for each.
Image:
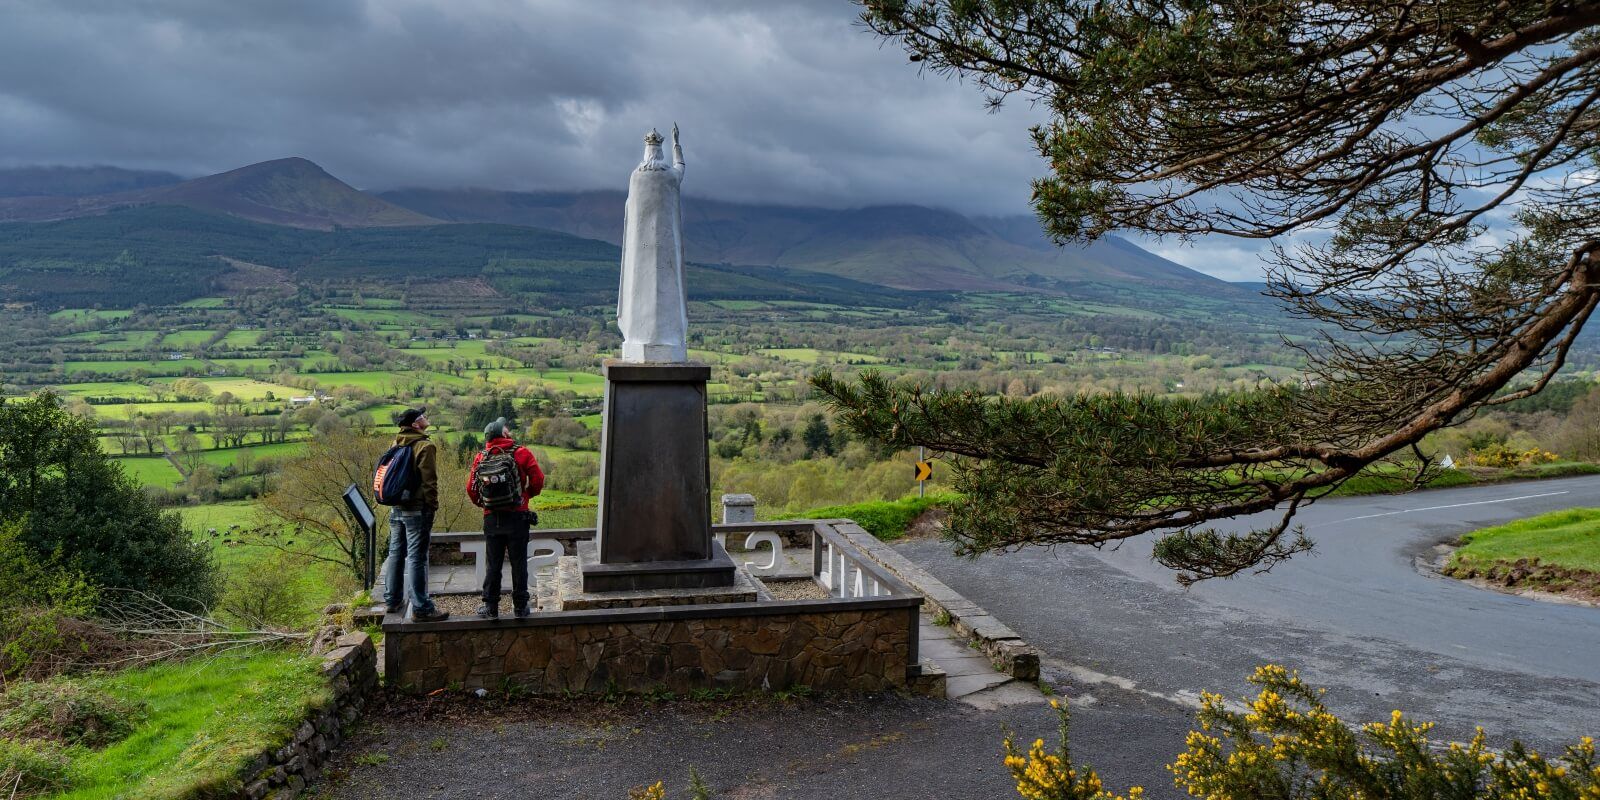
(653, 137)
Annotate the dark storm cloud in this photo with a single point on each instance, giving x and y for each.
(779, 102)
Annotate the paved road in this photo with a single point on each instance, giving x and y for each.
(1357, 616)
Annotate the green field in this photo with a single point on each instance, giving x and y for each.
(811, 355)
(131, 410)
(205, 302)
(382, 382)
(150, 470)
(185, 340)
(86, 313)
(114, 341)
(384, 414)
(250, 390)
(243, 338)
(219, 515)
(241, 365)
(222, 458)
(154, 368)
(104, 389)
(1568, 538)
(373, 316)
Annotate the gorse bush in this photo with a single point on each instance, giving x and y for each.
(1042, 775)
(1287, 745)
(1501, 455)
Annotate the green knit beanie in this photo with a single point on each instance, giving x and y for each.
(496, 429)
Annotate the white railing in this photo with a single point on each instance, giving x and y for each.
(844, 575)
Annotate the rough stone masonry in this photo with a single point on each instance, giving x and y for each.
(860, 650)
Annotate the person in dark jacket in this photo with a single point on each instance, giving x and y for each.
(411, 525)
(505, 530)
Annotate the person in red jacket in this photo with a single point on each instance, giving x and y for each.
(506, 528)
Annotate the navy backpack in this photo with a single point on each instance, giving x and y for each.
(396, 479)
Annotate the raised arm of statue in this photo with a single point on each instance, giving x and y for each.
(677, 151)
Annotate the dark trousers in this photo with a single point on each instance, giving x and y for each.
(505, 535)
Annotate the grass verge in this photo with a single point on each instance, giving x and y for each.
(1389, 480)
(886, 519)
(206, 720)
(1556, 552)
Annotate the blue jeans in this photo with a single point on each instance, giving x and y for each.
(405, 572)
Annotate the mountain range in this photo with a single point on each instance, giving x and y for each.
(904, 247)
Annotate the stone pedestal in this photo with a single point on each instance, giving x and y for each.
(655, 484)
(738, 508)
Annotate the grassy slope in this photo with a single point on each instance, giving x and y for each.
(1568, 538)
(207, 719)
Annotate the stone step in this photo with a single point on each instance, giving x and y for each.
(967, 670)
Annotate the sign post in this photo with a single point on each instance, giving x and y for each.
(924, 471)
(362, 514)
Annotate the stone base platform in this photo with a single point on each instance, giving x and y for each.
(570, 595)
(703, 573)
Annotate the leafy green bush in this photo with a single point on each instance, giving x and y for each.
(68, 712)
(886, 519)
(33, 768)
(76, 503)
(37, 598)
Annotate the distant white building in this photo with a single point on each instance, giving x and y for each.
(301, 401)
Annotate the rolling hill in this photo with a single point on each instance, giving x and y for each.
(901, 246)
(159, 255)
(172, 239)
(288, 191)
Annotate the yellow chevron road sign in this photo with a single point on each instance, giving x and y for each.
(924, 470)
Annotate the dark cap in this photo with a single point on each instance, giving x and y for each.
(408, 416)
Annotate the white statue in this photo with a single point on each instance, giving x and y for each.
(652, 310)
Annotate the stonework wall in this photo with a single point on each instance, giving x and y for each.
(863, 650)
(282, 772)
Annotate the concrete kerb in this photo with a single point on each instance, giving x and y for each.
(1004, 647)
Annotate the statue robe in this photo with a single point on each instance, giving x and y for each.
(652, 309)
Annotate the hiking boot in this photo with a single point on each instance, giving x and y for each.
(394, 609)
(522, 611)
(486, 611)
(430, 616)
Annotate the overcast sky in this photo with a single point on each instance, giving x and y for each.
(779, 102)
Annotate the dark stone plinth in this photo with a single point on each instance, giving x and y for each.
(655, 480)
(701, 573)
(570, 594)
